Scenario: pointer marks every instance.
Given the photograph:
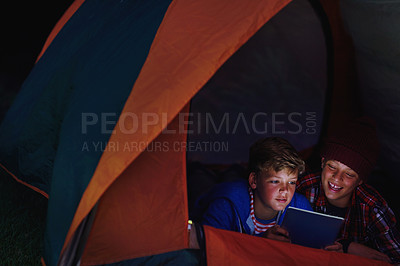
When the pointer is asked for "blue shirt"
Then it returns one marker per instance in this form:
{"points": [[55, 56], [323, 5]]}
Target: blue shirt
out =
{"points": [[227, 206]]}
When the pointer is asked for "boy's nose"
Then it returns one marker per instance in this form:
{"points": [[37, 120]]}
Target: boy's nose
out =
{"points": [[284, 187], [337, 175]]}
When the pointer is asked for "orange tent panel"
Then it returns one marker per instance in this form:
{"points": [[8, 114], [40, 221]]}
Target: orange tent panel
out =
{"points": [[232, 248], [145, 209], [166, 84]]}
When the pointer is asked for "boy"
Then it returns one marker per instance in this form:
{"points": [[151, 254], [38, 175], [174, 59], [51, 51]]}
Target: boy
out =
{"points": [[256, 206], [348, 157]]}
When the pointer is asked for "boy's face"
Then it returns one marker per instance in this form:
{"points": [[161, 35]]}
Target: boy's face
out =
{"points": [[273, 191], [338, 182]]}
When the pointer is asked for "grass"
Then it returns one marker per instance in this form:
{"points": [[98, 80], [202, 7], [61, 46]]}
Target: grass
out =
{"points": [[22, 223]]}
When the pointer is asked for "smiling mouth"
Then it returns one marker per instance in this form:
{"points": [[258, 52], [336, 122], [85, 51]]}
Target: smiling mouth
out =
{"points": [[334, 187]]}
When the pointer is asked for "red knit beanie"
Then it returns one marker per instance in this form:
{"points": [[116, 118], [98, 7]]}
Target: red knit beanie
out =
{"points": [[355, 145]]}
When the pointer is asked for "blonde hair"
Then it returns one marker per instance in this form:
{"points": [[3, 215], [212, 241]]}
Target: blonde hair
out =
{"points": [[274, 153]]}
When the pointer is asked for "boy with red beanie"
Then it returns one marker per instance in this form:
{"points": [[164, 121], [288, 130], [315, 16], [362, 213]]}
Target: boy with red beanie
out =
{"points": [[348, 157]]}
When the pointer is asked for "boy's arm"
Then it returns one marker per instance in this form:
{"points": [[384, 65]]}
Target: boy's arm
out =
{"points": [[367, 252], [384, 233], [220, 214]]}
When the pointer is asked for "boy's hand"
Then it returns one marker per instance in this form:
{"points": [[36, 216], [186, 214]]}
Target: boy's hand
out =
{"points": [[367, 252], [277, 233], [337, 247]]}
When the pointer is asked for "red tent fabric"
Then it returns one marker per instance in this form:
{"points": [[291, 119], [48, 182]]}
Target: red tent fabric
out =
{"points": [[232, 248]]}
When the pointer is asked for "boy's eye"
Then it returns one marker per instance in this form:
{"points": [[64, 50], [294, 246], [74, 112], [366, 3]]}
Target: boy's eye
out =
{"points": [[274, 181], [331, 167], [350, 175], [292, 182]]}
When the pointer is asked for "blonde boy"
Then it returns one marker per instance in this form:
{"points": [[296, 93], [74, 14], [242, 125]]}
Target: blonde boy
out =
{"points": [[256, 206]]}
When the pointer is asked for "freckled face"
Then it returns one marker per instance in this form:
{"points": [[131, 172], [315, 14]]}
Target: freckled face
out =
{"points": [[273, 191], [339, 182]]}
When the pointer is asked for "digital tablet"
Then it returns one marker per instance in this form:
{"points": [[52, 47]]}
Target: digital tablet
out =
{"points": [[311, 229]]}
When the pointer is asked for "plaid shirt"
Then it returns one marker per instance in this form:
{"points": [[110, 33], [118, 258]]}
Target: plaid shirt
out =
{"points": [[368, 220]]}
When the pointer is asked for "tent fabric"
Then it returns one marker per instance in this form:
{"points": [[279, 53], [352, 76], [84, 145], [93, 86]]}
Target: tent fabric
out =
{"points": [[88, 71], [377, 50], [123, 214], [232, 248], [187, 257], [286, 60], [176, 81], [343, 100], [80, 73], [24, 183], [60, 24], [125, 31], [115, 80]]}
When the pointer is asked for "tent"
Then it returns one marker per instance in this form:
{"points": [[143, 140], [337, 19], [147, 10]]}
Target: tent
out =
{"points": [[125, 93]]}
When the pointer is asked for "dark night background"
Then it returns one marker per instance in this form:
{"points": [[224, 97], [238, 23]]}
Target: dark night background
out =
{"points": [[24, 26]]}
